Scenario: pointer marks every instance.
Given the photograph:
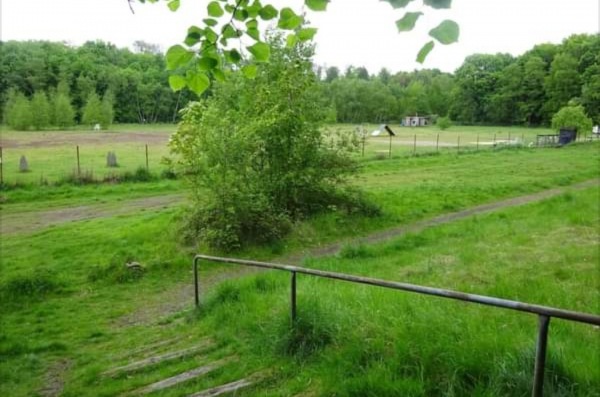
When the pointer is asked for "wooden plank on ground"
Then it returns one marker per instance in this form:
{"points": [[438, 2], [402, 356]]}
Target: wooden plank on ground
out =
{"points": [[159, 359], [180, 378], [227, 388]]}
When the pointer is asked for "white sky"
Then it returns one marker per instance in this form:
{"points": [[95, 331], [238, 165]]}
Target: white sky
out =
{"points": [[351, 32]]}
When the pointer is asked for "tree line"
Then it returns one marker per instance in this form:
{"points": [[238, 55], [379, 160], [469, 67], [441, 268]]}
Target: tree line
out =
{"points": [[486, 89], [134, 82], [132, 86]]}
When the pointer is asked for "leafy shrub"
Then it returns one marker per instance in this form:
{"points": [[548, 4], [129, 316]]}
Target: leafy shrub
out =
{"points": [[572, 117], [256, 157], [444, 123]]}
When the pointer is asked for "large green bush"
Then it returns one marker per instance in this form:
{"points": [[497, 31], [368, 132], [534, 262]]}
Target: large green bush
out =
{"points": [[256, 155], [572, 117]]}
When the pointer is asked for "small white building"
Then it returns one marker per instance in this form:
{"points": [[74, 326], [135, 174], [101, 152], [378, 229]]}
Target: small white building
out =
{"points": [[415, 121]]}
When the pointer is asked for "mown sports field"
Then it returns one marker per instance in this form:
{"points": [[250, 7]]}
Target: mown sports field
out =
{"points": [[73, 317]]}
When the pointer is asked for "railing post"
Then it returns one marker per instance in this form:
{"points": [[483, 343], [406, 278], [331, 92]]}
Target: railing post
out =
{"points": [[293, 298], [196, 291], [540, 356]]}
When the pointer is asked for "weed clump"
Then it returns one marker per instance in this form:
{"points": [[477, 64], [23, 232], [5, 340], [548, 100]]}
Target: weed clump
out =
{"points": [[312, 330], [29, 286], [117, 270], [355, 252]]}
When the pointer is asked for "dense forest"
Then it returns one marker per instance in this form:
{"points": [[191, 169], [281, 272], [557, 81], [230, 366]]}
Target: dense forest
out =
{"points": [[98, 81]]}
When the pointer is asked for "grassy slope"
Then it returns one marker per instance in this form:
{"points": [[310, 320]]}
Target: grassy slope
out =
{"points": [[82, 320]]}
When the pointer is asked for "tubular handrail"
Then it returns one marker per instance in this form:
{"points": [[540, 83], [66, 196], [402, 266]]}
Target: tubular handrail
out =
{"points": [[545, 313]]}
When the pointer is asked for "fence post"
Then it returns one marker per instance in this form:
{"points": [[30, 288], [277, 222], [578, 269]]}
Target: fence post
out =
{"points": [[415, 146], [364, 139], [1, 165], [390, 153], [293, 298], [540, 356], [147, 168], [78, 164], [494, 139], [437, 143]]}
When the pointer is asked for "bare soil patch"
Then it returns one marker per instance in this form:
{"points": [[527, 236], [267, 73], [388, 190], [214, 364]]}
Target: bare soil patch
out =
{"points": [[51, 139], [54, 381], [25, 222]]}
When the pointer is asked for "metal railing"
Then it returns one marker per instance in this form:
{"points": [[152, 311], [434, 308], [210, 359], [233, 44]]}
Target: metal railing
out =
{"points": [[544, 313]]}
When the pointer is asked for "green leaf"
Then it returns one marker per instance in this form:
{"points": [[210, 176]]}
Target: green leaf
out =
{"points": [[233, 56], [178, 56], [291, 40], [306, 34], [254, 33], [398, 3], [173, 5], [210, 22], [288, 20], [210, 34], [446, 32], [316, 5], [219, 75], [438, 3], [240, 15], [254, 9], [261, 51], [228, 32], [197, 81], [176, 82], [207, 63], [268, 12], [250, 71], [253, 23], [408, 21], [425, 50], [193, 36], [214, 9]]}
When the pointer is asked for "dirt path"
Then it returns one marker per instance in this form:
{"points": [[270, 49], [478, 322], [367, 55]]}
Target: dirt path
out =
{"points": [[388, 234], [181, 297], [31, 221]]}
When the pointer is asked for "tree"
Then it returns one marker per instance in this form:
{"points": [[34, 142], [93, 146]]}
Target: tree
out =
{"points": [[331, 74], [41, 112], [572, 117], [92, 112], [63, 112], [18, 111], [256, 156], [106, 110], [563, 83], [208, 50]]}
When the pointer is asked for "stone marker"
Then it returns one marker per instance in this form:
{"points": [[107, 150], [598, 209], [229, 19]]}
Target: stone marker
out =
{"points": [[23, 165], [111, 159]]}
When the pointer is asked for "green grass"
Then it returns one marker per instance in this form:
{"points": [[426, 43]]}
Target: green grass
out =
{"points": [[52, 155], [350, 340], [65, 295]]}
